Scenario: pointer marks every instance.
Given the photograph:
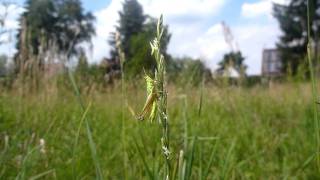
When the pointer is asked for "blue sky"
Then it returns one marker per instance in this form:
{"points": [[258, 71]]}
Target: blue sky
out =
{"points": [[93, 5], [195, 26]]}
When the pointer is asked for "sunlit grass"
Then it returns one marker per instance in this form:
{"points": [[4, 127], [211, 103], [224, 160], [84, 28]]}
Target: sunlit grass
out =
{"points": [[257, 133]]}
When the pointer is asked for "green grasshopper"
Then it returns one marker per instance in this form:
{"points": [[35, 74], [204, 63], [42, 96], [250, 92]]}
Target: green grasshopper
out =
{"points": [[150, 106]]}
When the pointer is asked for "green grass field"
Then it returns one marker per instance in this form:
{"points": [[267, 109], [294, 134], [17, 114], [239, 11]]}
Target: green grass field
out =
{"points": [[257, 133]]}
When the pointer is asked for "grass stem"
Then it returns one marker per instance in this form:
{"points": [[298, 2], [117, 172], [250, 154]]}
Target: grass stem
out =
{"points": [[314, 88]]}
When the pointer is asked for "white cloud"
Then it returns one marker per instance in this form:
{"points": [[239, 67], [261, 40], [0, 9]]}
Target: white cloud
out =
{"points": [[188, 24], [10, 14], [173, 8], [11, 25], [260, 8], [251, 10], [178, 14], [207, 44], [193, 32], [105, 24], [253, 39]]}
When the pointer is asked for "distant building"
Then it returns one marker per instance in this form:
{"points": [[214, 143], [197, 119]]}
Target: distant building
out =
{"points": [[271, 63]]}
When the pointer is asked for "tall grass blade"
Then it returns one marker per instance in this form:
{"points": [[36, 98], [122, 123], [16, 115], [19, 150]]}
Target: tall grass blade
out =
{"points": [[226, 164], [42, 175], [21, 174], [190, 159], [200, 162], [89, 134], [314, 88], [201, 97], [123, 101], [207, 171], [143, 159], [77, 138], [175, 169], [185, 122], [181, 171]]}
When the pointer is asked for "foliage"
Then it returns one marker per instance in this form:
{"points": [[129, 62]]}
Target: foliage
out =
{"points": [[142, 58], [187, 71], [293, 23], [39, 20], [131, 23], [61, 23], [136, 31], [89, 74], [141, 53], [74, 26]]}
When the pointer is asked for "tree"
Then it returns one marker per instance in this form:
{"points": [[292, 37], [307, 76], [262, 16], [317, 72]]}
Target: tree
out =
{"points": [[141, 58], [136, 30], [188, 71], [73, 26], [47, 23], [114, 51], [234, 60], [38, 21], [293, 23], [131, 23]]}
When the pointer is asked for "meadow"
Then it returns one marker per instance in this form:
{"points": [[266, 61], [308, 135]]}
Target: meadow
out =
{"points": [[52, 128], [215, 133]]}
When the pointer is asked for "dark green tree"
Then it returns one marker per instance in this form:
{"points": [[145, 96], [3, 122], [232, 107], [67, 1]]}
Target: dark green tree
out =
{"points": [[141, 58], [188, 71], [37, 22], [136, 30], [114, 55], [293, 23], [54, 22], [131, 23], [73, 27]]}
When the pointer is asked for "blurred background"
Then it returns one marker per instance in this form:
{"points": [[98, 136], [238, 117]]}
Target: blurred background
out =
{"points": [[242, 98], [262, 38]]}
